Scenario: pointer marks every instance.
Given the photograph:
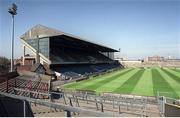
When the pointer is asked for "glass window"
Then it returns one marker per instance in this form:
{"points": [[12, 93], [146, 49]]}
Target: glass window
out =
{"points": [[43, 45]]}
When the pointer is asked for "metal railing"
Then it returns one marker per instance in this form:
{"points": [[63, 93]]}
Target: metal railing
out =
{"points": [[163, 98], [68, 109]]}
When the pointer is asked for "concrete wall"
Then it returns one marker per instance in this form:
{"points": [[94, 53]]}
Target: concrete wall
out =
{"points": [[172, 110], [131, 63], [10, 107]]}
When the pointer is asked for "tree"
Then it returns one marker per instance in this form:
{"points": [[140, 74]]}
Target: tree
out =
{"points": [[4, 64]]}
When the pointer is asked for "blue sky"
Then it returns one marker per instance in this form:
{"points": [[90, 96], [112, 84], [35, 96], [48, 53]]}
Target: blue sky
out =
{"points": [[140, 28]]}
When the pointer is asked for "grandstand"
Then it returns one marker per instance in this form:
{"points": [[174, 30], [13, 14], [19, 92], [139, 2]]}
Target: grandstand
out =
{"points": [[67, 54], [125, 92]]}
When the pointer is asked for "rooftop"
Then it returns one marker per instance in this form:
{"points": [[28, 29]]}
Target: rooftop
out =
{"points": [[40, 31]]}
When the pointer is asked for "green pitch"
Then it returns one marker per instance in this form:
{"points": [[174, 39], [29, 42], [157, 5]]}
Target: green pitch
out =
{"points": [[134, 81]]}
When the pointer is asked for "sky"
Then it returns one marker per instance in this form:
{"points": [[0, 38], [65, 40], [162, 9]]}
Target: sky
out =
{"points": [[141, 28]]}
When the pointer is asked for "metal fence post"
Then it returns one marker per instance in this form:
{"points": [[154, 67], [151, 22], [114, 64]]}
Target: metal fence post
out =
{"points": [[67, 113], [77, 102], [64, 99], [24, 108], [113, 103], [15, 82], [86, 98], [119, 107], [164, 101], [96, 104], [102, 109], [7, 85]]}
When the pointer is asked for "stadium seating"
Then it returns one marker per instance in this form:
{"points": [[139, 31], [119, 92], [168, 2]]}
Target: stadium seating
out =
{"points": [[75, 56], [73, 62], [78, 70], [72, 75]]}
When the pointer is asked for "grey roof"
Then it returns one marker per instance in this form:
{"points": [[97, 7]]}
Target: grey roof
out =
{"points": [[35, 67], [40, 31], [43, 31]]}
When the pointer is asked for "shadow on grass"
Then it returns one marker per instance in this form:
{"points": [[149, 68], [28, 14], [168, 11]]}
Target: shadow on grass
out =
{"points": [[160, 84], [129, 84], [75, 84], [105, 81], [174, 77]]}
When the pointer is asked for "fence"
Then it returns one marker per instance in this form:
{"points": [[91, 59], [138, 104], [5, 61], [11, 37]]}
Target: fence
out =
{"points": [[116, 103], [66, 108], [163, 100]]}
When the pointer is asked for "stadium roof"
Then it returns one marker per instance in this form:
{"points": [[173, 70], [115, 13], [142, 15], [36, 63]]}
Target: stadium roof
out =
{"points": [[43, 31]]}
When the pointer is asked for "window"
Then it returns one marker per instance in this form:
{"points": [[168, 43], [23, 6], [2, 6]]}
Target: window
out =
{"points": [[43, 45]]}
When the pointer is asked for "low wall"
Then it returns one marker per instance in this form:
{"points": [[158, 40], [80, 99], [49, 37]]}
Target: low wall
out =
{"points": [[136, 63], [131, 63], [172, 110], [168, 64], [10, 107]]}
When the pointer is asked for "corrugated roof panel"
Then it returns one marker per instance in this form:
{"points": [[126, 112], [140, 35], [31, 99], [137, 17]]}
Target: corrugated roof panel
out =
{"points": [[43, 31]]}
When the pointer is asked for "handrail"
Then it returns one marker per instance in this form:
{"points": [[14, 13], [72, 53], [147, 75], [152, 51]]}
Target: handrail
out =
{"points": [[59, 106]]}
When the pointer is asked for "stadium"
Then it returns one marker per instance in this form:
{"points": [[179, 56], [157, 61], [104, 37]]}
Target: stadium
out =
{"points": [[73, 57], [70, 53], [82, 78]]}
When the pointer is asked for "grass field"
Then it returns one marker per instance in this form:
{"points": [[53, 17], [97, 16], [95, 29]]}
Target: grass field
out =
{"points": [[134, 81]]}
